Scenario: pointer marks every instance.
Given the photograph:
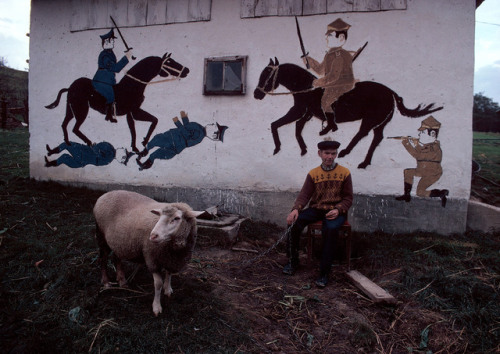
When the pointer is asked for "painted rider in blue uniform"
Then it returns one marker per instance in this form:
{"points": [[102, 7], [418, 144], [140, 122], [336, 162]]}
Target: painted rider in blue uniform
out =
{"points": [[104, 79]]}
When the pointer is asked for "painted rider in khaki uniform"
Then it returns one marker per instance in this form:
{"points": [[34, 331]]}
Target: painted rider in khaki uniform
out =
{"points": [[336, 66], [427, 151]]}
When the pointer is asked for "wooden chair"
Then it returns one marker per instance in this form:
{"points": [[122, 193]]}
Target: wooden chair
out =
{"points": [[314, 230]]}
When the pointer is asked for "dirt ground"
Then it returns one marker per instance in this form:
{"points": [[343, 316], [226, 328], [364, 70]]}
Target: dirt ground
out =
{"points": [[290, 314], [234, 301]]}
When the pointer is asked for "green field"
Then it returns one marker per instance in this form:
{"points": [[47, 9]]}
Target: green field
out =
{"points": [[486, 182]]}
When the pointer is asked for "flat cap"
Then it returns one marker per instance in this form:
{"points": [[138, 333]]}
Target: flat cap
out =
{"points": [[328, 144]]}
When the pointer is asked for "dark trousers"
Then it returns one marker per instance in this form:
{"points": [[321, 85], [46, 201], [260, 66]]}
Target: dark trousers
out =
{"points": [[329, 232]]}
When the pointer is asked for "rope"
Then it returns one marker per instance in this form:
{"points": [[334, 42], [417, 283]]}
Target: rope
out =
{"points": [[265, 253]]}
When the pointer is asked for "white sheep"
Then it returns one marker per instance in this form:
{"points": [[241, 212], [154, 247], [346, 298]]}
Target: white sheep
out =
{"points": [[140, 229]]}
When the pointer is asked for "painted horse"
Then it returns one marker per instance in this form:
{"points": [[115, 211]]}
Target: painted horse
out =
{"points": [[129, 95], [372, 103]]}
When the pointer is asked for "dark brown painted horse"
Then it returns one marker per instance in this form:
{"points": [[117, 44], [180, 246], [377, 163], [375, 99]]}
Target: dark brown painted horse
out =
{"points": [[129, 95], [372, 103]]}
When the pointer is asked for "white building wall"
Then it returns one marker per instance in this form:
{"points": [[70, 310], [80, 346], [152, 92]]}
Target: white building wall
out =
{"points": [[423, 53]]}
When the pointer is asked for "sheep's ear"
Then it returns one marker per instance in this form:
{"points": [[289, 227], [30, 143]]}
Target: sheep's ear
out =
{"points": [[156, 211]]}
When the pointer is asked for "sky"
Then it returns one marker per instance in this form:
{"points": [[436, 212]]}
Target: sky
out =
{"points": [[14, 44]]}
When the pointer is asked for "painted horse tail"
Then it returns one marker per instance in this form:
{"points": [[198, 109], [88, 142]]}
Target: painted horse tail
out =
{"points": [[416, 112], [56, 102]]}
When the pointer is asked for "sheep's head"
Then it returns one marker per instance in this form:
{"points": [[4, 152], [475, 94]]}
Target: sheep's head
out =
{"points": [[175, 224], [167, 226]]}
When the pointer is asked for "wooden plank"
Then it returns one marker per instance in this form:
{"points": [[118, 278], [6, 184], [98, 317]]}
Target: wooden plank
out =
{"points": [[393, 4], [372, 290], [247, 8], [118, 10], [98, 14], [79, 15], [289, 7], [156, 12], [266, 8], [136, 12], [177, 11], [314, 7], [339, 6], [199, 10], [366, 5]]}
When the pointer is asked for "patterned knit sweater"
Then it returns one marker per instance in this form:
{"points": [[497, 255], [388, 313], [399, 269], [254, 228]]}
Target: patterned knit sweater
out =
{"points": [[326, 190]]}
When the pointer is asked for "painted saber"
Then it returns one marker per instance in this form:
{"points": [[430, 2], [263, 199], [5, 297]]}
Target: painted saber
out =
{"points": [[121, 36], [304, 54]]}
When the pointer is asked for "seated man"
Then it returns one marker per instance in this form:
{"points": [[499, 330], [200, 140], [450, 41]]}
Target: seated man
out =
{"points": [[328, 191]]}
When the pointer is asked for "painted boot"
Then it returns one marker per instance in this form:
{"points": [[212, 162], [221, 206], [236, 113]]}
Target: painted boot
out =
{"points": [[52, 151], [50, 163], [144, 165], [441, 193], [406, 197], [110, 112]]}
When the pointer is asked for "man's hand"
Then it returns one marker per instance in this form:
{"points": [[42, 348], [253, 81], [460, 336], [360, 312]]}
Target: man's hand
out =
{"points": [[332, 214], [128, 54], [292, 217]]}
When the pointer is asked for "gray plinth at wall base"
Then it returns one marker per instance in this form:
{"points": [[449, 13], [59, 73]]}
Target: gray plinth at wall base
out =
{"points": [[386, 214], [369, 213]]}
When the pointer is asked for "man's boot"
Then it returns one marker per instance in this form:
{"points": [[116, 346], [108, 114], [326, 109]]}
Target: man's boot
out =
{"points": [[110, 112], [441, 193], [406, 197], [293, 257], [291, 267]]}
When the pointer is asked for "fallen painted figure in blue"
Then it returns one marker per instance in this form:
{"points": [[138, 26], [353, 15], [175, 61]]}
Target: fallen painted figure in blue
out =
{"points": [[166, 145], [80, 155]]}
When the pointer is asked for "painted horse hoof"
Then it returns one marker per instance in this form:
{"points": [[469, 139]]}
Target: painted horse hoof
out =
{"points": [[363, 165], [276, 151], [343, 153], [303, 152]]}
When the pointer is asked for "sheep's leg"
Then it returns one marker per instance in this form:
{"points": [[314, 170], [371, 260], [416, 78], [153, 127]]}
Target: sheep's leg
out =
{"points": [[158, 281], [103, 255], [120, 274], [167, 287], [104, 268]]}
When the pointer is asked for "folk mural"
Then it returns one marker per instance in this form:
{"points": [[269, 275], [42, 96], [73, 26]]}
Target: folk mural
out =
{"points": [[336, 97], [427, 152], [103, 94]]}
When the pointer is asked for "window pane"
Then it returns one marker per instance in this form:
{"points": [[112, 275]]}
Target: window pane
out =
{"points": [[232, 77], [214, 76]]}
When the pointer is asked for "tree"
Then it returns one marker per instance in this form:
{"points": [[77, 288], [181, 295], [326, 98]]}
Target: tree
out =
{"points": [[485, 114]]}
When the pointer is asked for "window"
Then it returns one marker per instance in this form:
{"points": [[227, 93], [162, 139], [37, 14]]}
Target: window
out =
{"points": [[225, 76]]}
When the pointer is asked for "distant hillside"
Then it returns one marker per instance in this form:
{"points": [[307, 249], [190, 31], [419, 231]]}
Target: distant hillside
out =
{"points": [[14, 90]]}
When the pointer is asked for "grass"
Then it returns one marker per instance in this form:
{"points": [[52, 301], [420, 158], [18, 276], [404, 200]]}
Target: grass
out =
{"points": [[486, 152], [51, 299]]}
